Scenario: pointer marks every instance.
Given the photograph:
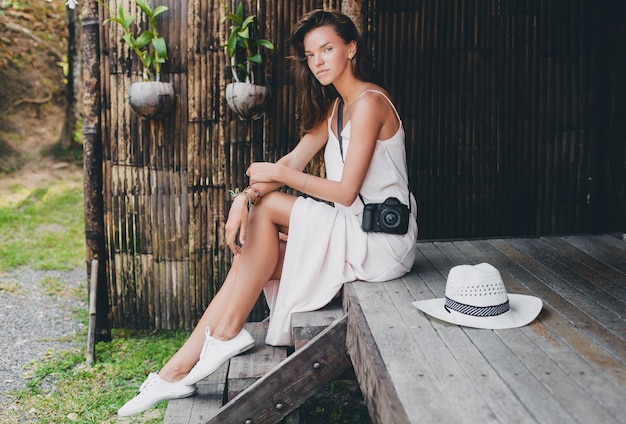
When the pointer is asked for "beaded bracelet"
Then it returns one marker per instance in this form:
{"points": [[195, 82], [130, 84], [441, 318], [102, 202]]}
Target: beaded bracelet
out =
{"points": [[257, 194], [236, 193]]}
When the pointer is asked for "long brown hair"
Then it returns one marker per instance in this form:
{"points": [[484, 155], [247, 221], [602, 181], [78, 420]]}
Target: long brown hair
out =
{"points": [[315, 98]]}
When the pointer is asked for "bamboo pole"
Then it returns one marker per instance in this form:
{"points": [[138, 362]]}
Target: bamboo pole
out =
{"points": [[92, 157]]}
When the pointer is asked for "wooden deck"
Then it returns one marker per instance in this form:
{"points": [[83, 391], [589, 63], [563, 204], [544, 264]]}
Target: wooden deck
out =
{"points": [[569, 365]]}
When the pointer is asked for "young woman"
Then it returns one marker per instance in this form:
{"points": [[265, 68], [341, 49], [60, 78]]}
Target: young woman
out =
{"points": [[299, 250]]}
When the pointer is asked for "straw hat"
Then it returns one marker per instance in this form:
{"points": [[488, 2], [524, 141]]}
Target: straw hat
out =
{"points": [[476, 297]]}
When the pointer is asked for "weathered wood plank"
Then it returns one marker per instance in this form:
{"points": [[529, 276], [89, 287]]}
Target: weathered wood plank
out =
{"points": [[611, 256], [376, 384], [562, 277], [299, 377], [306, 325], [560, 316], [587, 367], [539, 402], [592, 270], [542, 405], [616, 246], [469, 382], [380, 382], [203, 405], [566, 384], [247, 368], [596, 382], [565, 390]]}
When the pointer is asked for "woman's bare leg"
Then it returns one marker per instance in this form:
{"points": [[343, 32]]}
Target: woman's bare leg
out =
{"points": [[260, 260]]}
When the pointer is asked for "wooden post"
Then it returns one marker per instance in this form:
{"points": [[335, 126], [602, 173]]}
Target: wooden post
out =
{"points": [[355, 9], [93, 298], [92, 164]]}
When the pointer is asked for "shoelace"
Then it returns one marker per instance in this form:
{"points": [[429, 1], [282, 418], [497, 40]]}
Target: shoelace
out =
{"points": [[149, 382], [209, 341]]}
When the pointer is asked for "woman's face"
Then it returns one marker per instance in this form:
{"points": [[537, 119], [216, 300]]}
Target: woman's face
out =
{"points": [[327, 54]]}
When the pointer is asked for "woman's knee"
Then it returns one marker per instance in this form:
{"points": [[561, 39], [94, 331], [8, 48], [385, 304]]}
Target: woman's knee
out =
{"points": [[275, 206]]}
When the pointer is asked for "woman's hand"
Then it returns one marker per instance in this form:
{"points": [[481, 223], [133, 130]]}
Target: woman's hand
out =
{"points": [[237, 223], [263, 172]]}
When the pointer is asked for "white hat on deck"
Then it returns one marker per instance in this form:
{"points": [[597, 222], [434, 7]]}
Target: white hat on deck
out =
{"points": [[475, 296]]}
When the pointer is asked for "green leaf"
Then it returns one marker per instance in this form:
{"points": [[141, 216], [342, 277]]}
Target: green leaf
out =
{"points": [[264, 43], [114, 19], [161, 48], [240, 12], [130, 40], [120, 12], [144, 39], [244, 33], [234, 18], [232, 44], [248, 21], [256, 58], [128, 21], [143, 5], [159, 10], [147, 59]]}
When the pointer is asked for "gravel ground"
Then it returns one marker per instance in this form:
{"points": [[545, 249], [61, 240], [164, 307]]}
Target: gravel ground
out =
{"points": [[34, 322]]}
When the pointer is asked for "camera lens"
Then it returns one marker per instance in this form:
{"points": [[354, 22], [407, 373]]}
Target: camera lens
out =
{"points": [[390, 218]]}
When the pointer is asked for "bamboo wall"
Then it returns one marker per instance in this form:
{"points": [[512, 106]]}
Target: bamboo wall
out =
{"points": [[502, 103]]}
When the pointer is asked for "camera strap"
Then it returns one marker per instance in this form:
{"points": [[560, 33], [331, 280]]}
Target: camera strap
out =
{"points": [[339, 130], [339, 138]]}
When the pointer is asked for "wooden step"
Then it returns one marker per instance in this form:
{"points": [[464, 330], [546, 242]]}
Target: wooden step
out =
{"points": [[203, 405], [228, 381], [276, 395], [248, 367], [244, 370], [306, 325]]}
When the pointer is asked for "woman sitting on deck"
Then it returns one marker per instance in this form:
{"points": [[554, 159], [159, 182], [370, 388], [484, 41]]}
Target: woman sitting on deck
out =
{"points": [[327, 246]]}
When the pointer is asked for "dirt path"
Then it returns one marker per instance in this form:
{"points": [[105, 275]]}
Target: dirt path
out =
{"points": [[36, 322]]}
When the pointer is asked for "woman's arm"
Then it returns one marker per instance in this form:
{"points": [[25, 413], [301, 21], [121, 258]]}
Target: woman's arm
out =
{"points": [[297, 159], [366, 124]]}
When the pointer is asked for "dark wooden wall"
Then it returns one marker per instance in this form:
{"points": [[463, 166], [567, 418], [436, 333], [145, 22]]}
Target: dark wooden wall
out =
{"points": [[503, 102], [512, 109]]}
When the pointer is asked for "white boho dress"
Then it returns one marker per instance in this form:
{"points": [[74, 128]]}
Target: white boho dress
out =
{"points": [[326, 246]]}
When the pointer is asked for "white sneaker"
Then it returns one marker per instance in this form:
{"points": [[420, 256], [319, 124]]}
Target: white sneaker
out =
{"points": [[215, 352], [153, 391]]}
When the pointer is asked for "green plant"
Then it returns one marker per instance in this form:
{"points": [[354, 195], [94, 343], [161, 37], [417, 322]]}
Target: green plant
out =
{"points": [[242, 40], [148, 45]]}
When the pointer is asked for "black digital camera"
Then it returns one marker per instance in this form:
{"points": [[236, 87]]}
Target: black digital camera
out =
{"points": [[391, 217]]}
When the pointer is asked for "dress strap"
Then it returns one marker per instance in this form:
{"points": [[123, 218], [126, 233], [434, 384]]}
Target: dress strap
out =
{"points": [[332, 115], [382, 94]]}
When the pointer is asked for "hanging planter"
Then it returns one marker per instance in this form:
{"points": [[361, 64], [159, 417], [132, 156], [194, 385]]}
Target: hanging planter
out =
{"points": [[247, 100], [148, 98], [244, 97], [151, 99]]}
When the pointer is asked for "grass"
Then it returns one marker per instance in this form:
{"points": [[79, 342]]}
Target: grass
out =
{"points": [[43, 228], [64, 390]]}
